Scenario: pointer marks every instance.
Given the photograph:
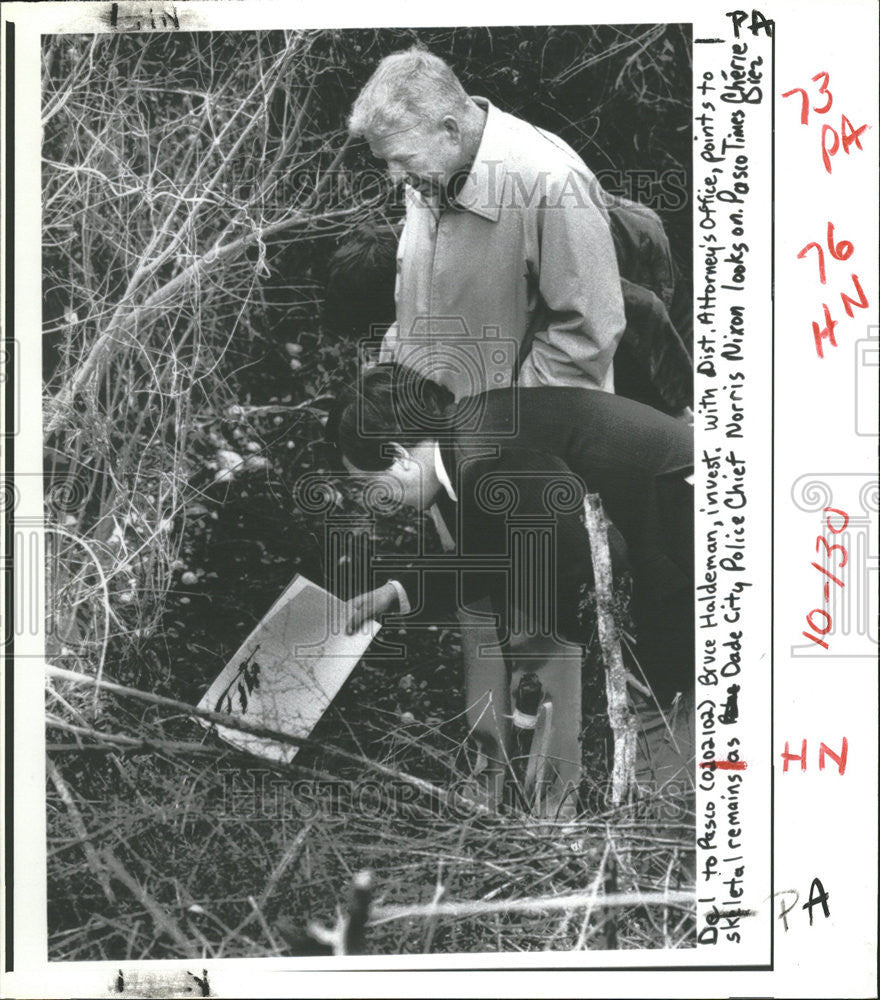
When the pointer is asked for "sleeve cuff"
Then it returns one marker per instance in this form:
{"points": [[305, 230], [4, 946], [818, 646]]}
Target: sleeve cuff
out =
{"points": [[403, 600]]}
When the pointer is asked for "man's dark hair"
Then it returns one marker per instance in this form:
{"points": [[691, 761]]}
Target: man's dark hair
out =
{"points": [[390, 403], [360, 286]]}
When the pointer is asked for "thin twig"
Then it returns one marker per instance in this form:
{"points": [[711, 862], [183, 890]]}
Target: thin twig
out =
{"points": [[162, 919], [541, 904], [290, 857], [594, 889], [82, 834]]}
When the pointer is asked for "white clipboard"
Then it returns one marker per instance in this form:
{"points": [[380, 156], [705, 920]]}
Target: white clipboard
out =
{"points": [[288, 670]]}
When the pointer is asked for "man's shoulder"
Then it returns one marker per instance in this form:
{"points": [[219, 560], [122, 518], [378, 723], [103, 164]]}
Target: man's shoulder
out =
{"points": [[542, 169], [538, 150]]}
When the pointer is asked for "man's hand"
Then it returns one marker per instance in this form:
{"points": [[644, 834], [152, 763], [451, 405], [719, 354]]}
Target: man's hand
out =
{"points": [[369, 605]]}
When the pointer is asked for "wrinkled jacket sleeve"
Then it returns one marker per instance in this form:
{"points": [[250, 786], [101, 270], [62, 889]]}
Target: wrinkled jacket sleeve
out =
{"points": [[579, 285]]}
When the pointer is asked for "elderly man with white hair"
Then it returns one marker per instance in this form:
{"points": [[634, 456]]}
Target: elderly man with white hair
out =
{"points": [[506, 267]]}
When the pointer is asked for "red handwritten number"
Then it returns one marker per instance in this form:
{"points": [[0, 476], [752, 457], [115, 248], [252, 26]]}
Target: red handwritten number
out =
{"points": [[839, 251], [821, 254], [843, 514], [830, 576], [805, 100], [819, 642], [814, 626], [825, 628], [830, 548], [823, 90], [805, 103], [848, 135]]}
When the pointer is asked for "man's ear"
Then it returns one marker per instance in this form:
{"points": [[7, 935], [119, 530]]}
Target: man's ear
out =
{"points": [[452, 128], [400, 453]]}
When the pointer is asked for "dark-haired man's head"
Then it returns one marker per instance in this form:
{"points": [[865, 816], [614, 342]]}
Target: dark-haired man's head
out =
{"points": [[386, 430], [359, 297]]}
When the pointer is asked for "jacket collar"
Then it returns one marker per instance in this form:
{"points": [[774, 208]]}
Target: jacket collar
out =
{"points": [[482, 190], [446, 505], [443, 466]]}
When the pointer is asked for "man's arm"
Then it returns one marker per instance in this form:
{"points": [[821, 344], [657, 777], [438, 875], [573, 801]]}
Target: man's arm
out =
{"points": [[372, 604], [579, 285], [400, 593]]}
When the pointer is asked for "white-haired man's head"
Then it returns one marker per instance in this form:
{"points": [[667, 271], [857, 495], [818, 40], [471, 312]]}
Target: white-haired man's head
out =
{"points": [[416, 116]]}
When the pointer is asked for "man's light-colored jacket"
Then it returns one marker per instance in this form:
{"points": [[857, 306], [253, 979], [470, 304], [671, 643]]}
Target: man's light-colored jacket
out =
{"points": [[517, 279]]}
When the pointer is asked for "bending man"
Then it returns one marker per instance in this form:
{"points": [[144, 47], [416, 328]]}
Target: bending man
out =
{"points": [[492, 480]]}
